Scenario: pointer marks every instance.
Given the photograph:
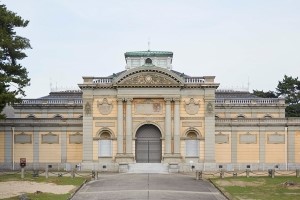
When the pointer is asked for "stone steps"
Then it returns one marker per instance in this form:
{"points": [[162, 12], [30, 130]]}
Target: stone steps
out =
{"points": [[148, 168]]}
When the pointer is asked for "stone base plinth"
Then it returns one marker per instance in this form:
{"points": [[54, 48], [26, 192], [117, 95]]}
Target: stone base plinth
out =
{"points": [[172, 158], [124, 158]]}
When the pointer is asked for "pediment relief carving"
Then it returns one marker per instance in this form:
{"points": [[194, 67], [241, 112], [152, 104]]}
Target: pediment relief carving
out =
{"points": [[148, 78], [192, 106]]}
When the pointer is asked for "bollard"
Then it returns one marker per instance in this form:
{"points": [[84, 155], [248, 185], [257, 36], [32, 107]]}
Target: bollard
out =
{"points": [[22, 172], [247, 173], [273, 173], [197, 175], [46, 172], [93, 175], [200, 174], [73, 173], [96, 175], [221, 174], [297, 173], [234, 174]]}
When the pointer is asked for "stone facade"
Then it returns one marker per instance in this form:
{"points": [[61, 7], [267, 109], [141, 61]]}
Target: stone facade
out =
{"points": [[150, 113]]}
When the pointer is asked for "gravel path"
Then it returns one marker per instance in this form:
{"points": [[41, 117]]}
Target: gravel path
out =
{"points": [[16, 188]]}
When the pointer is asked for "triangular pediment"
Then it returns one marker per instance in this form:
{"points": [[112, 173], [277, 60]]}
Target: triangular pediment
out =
{"points": [[148, 77]]}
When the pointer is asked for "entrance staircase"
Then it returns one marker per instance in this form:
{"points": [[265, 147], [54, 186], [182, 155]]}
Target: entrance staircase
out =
{"points": [[159, 168]]}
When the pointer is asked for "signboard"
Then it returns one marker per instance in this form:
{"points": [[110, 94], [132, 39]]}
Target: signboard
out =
{"points": [[22, 162]]}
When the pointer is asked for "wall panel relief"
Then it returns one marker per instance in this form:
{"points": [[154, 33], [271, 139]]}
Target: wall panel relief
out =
{"points": [[50, 138], [148, 107], [192, 124], [276, 138], [248, 138], [192, 106], [104, 107], [75, 138], [23, 138], [222, 138]]}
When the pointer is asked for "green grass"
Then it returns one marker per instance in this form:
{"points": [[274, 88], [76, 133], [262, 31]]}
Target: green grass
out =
{"points": [[259, 188], [77, 181], [43, 196]]}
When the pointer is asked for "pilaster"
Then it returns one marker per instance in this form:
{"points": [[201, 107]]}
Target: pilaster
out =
{"points": [[87, 130], [120, 126], [176, 126], [128, 126], [168, 126]]}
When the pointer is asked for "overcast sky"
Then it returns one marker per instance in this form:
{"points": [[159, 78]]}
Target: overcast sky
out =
{"points": [[234, 40]]}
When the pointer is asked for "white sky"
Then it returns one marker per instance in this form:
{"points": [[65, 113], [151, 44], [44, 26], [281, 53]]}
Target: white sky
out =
{"points": [[233, 40]]}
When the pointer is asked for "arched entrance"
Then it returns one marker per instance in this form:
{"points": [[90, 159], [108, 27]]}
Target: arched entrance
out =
{"points": [[148, 144]]}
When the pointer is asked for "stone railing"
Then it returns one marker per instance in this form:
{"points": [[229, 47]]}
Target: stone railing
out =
{"points": [[102, 80], [194, 80], [245, 121], [264, 101], [38, 121], [50, 101]]}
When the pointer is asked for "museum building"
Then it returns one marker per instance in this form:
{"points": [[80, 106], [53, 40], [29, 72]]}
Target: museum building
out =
{"points": [[150, 113]]}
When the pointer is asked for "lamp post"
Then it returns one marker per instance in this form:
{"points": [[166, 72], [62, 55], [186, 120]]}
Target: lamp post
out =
{"points": [[13, 147]]}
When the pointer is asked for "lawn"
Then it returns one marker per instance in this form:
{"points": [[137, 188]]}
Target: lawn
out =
{"points": [[63, 181], [242, 188]]}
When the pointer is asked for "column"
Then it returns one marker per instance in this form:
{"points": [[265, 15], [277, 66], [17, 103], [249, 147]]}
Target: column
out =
{"points": [[63, 142], [262, 148], [120, 126], [176, 127], [168, 127], [8, 145], [128, 126], [234, 141], [36, 143]]}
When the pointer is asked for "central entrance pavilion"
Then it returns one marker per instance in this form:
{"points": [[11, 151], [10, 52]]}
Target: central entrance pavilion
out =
{"points": [[148, 144]]}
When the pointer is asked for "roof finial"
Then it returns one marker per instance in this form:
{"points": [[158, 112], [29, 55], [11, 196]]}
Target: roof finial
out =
{"points": [[148, 43]]}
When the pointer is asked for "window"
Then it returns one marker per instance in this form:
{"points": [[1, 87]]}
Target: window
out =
{"points": [[148, 61], [58, 116], [105, 144], [241, 116], [192, 145]]}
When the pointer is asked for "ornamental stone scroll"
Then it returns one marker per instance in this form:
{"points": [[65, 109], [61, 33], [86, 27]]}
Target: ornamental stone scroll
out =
{"points": [[192, 106]]}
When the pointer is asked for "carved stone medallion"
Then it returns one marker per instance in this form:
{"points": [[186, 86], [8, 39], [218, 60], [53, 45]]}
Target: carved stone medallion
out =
{"points": [[192, 107], [104, 106]]}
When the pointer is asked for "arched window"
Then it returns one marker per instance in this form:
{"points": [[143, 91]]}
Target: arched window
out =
{"points": [[267, 116], [241, 116], [31, 116], [148, 61], [57, 116], [105, 144], [192, 144]]}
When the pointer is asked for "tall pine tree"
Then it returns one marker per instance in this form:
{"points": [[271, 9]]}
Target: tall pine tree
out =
{"points": [[13, 76]]}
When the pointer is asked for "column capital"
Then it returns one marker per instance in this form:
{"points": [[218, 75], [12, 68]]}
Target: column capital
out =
{"points": [[168, 100], [176, 100], [120, 100], [128, 100]]}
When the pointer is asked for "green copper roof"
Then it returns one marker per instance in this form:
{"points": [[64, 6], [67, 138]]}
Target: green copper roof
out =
{"points": [[149, 54]]}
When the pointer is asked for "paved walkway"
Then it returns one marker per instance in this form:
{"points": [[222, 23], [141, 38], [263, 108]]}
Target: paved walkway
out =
{"points": [[148, 186]]}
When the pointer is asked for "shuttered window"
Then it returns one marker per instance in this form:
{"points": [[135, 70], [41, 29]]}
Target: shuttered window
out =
{"points": [[105, 148], [192, 148]]}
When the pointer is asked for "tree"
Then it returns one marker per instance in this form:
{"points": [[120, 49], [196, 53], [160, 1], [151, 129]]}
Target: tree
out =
{"points": [[13, 76], [262, 94], [289, 88]]}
